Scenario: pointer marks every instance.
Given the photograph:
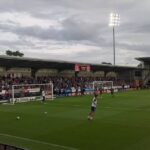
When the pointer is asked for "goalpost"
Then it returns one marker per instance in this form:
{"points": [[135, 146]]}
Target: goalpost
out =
{"points": [[31, 92], [102, 85]]}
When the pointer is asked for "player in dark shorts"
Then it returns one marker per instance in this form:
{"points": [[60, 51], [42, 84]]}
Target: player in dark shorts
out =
{"points": [[43, 96], [101, 92], [112, 92], [82, 91]]}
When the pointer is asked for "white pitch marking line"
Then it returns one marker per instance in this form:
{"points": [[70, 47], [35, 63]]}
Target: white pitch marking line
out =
{"points": [[36, 141]]}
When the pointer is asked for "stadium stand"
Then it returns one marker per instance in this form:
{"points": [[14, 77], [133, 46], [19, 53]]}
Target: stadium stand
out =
{"points": [[145, 64], [14, 70]]}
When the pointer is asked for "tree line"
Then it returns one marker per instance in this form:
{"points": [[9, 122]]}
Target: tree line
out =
{"points": [[14, 53]]}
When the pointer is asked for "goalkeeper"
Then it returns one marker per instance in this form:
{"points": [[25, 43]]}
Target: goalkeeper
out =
{"points": [[112, 92]]}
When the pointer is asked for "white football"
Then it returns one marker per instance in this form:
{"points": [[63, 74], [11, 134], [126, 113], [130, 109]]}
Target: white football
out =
{"points": [[18, 117]]}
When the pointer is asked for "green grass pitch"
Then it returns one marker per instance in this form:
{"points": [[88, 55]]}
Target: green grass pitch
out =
{"points": [[121, 123]]}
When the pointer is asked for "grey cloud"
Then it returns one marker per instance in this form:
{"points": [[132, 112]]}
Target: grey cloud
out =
{"points": [[135, 47], [143, 29], [72, 30], [16, 43], [135, 28]]}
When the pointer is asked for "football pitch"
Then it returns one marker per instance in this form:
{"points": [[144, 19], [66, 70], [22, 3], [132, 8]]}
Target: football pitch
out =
{"points": [[122, 122]]}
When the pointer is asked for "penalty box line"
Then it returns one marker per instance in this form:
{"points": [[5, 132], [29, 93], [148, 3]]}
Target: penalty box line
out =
{"points": [[39, 142]]}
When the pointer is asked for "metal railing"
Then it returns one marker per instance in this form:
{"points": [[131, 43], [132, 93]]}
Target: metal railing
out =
{"points": [[9, 147], [146, 78]]}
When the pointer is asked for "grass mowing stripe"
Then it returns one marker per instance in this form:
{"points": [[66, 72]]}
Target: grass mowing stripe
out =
{"points": [[39, 142]]}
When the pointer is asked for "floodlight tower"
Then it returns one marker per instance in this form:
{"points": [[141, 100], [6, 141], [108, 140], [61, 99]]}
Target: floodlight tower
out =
{"points": [[113, 22]]}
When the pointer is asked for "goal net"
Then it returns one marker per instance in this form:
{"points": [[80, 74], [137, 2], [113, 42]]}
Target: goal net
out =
{"points": [[102, 85], [31, 92]]}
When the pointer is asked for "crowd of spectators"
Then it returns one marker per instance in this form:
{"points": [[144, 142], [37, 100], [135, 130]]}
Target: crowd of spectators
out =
{"points": [[60, 83]]}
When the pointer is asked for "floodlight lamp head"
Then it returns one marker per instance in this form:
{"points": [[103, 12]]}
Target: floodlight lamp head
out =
{"points": [[114, 20]]}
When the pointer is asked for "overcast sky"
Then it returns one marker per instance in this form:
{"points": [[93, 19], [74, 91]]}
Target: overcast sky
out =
{"points": [[75, 30]]}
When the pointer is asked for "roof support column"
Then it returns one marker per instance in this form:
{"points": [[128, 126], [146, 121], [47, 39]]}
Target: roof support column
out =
{"points": [[33, 72]]}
